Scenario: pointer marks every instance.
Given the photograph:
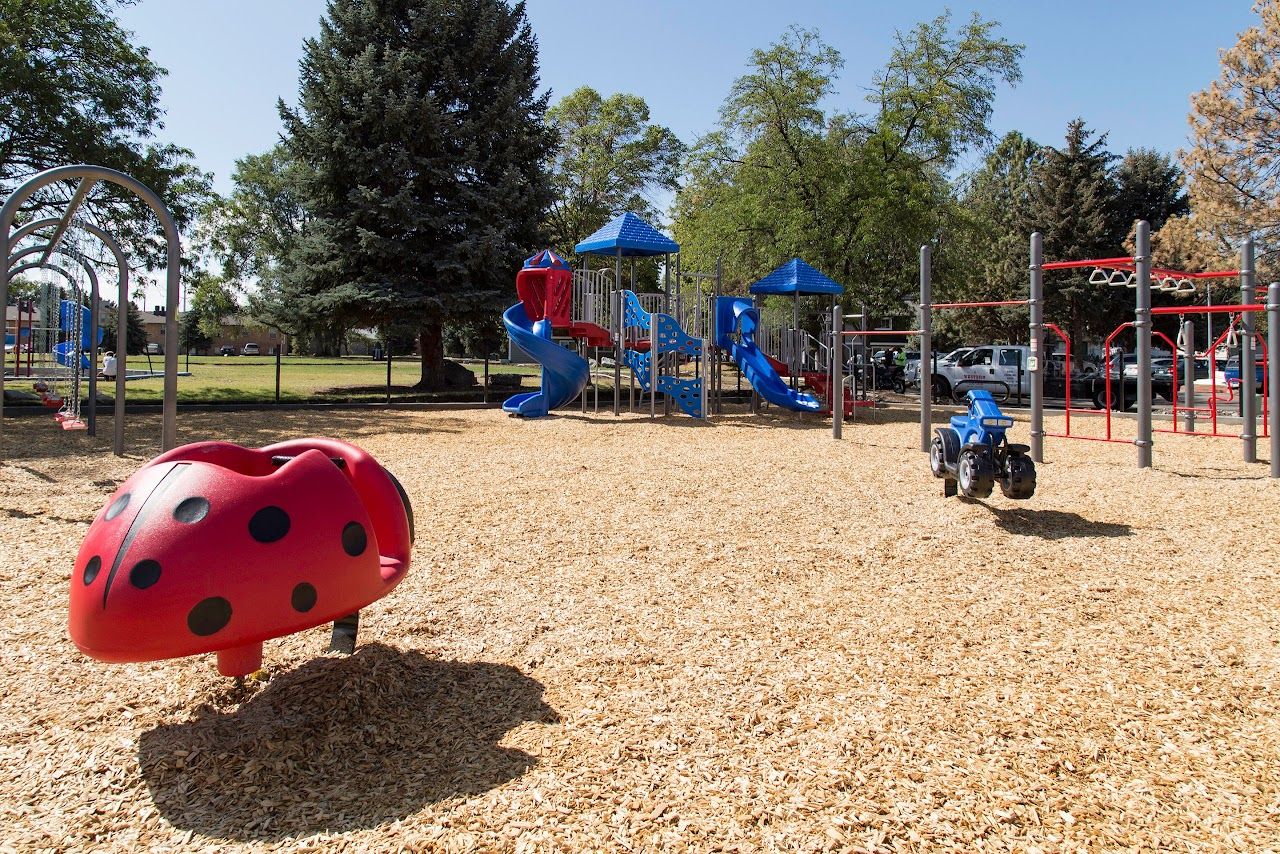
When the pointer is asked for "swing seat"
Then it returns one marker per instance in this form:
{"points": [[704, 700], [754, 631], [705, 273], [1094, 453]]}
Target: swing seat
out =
{"points": [[74, 424]]}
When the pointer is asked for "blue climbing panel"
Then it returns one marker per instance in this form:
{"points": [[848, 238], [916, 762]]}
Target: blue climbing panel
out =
{"points": [[641, 366], [688, 393], [670, 339], [633, 316], [673, 339]]}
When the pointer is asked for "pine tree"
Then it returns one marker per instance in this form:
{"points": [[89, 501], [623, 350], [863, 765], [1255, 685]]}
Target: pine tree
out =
{"points": [[425, 149], [1072, 204], [135, 332], [986, 254], [1148, 186]]}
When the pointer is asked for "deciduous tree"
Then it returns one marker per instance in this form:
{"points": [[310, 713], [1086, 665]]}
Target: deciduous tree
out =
{"points": [[76, 88], [609, 159], [854, 195], [1233, 165]]}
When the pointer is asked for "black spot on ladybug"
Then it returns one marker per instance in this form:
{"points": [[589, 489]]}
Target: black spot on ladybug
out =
{"points": [[269, 524], [117, 507], [209, 616], [354, 539], [144, 574], [191, 510], [303, 598], [91, 569]]}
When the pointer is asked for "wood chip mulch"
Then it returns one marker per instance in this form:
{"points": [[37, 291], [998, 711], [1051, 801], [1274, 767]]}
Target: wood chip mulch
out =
{"points": [[626, 635]]}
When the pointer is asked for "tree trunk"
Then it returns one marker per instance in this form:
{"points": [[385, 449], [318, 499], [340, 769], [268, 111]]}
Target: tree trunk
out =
{"points": [[431, 347]]}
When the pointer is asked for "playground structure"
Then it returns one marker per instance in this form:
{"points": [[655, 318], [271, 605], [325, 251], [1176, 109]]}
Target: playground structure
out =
{"points": [[1137, 273], [589, 307], [86, 178], [675, 344], [173, 563]]}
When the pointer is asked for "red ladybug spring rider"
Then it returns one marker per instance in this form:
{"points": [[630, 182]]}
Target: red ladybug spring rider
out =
{"points": [[213, 547]]}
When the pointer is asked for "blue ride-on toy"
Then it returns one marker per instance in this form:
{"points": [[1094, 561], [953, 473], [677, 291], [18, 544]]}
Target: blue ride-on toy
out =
{"points": [[972, 453]]}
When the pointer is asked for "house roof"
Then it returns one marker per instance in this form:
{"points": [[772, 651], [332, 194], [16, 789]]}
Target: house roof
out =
{"points": [[628, 235], [796, 277]]}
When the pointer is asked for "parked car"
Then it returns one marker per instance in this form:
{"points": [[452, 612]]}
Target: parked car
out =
{"points": [[1162, 375], [227, 350], [1232, 371], [251, 349], [1056, 365]]}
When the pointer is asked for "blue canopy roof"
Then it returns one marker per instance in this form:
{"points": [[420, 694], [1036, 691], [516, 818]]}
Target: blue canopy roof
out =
{"points": [[629, 233], [796, 277], [547, 258]]}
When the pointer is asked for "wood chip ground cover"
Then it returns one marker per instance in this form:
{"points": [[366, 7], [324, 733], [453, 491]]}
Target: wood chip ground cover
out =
{"points": [[628, 635]]}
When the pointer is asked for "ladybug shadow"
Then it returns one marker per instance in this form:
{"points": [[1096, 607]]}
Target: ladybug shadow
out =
{"points": [[341, 744]]}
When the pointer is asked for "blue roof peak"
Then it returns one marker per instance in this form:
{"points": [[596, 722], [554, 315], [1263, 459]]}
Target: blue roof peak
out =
{"points": [[630, 234], [796, 277]]}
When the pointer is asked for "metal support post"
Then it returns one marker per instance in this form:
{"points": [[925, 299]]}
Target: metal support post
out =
{"points": [[837, 375], [704, 359], [1142, 325], [926, 347], [655, 369], [1248, 371], [1035, 362], [1189, 374], [1273, 373], [795, 340], [617, 335]]}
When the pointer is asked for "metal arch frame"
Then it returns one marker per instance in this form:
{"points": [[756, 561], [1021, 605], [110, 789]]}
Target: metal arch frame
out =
{"points": [[95, 311], [122, 266], [89, 176], [36, 265]]}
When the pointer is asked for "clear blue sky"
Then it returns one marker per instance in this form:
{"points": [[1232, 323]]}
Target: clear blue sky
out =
{"points": [[1125, 67]]}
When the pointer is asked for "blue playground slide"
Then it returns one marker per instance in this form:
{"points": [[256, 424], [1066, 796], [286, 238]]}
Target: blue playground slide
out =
{"points": [[564, 372], [63, 351], [753, 363]]}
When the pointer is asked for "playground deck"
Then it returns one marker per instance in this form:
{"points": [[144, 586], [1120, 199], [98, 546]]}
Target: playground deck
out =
{"points": [[620, 634]]}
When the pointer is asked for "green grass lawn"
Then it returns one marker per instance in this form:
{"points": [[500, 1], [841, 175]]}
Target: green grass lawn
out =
{"points": [[251, 379]]}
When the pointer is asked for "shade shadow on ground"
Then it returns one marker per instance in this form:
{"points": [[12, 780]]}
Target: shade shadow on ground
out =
{"points": [[341, 744], [1054, 524]]}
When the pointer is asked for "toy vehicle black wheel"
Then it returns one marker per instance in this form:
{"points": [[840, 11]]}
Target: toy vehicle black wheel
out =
{"points": [[937, 461], [976, 475], [943, 451], [1019, 480], [899, 386]]}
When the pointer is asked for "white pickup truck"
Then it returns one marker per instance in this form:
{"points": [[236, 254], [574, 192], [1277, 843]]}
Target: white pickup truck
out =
{"points": [[998, 368], [1002, 369]]}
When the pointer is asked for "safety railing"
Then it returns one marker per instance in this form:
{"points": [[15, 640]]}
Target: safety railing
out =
{"points": [[593, 297]]}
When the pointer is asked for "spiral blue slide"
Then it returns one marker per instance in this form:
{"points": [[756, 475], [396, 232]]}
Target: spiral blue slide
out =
{"points": [[564, 372], [742, 314]]}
